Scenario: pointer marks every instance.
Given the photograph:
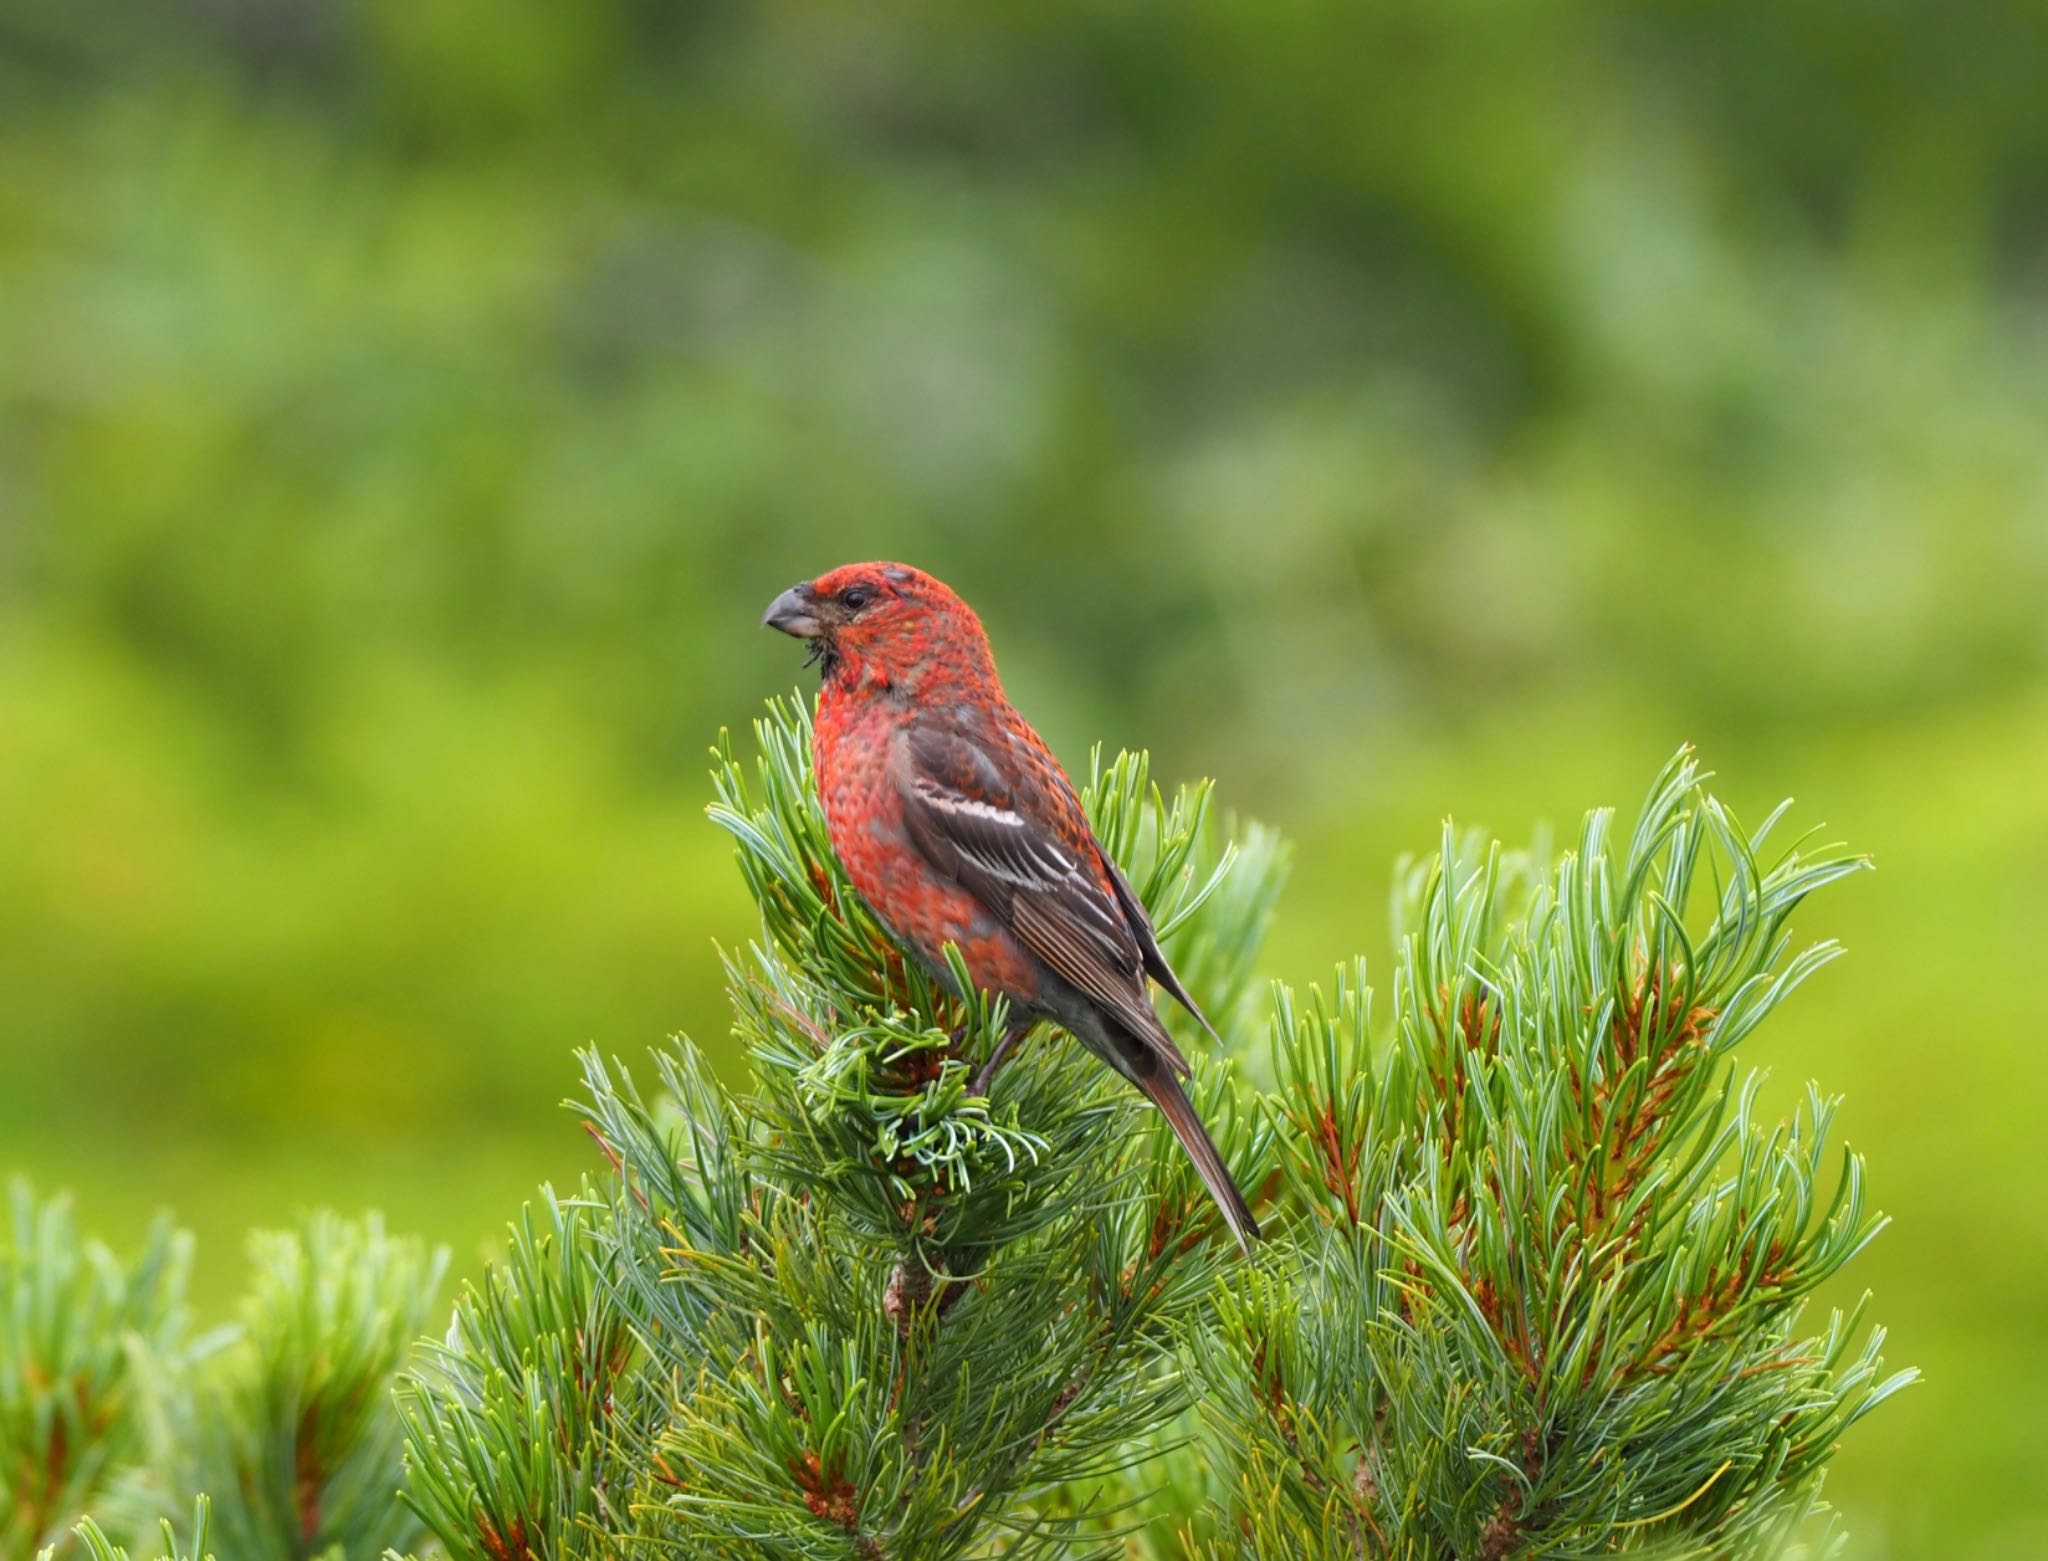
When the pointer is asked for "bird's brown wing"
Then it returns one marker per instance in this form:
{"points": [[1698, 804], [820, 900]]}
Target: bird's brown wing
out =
{"points": [[972, 826], [1148, 943]]}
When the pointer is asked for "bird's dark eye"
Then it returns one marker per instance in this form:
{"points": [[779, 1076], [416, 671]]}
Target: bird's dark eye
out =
{"points": [[855, 597]]}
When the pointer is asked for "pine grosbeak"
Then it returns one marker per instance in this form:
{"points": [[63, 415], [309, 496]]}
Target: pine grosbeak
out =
{"points": [[957, 825]]}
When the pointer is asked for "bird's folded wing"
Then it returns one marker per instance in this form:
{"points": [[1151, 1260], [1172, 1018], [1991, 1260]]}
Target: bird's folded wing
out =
{"points": [[1036, 885], [1148, 943]]}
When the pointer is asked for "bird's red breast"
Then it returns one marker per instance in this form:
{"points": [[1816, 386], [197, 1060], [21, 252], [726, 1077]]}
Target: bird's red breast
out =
{"points": [[856, 728], [918, 655]]}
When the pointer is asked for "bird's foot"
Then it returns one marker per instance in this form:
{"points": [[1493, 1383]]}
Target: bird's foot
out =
{"points": [[1015, 1033]]}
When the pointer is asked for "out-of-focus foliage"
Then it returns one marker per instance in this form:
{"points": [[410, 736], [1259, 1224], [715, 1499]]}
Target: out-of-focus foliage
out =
{"points": [[283, 1424], [72, 1317], [288, 1423], [1390, 410]]}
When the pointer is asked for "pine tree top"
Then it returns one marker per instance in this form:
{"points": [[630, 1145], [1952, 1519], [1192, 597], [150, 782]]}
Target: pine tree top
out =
{"points": [[1538, 1281]]}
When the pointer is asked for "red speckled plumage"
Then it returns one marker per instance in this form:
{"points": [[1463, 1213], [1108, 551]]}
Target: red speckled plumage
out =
{"points": [[864, 811], [957, 825]]}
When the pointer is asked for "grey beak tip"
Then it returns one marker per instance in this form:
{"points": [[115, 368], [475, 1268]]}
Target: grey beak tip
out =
{"points": [[791, 613]]}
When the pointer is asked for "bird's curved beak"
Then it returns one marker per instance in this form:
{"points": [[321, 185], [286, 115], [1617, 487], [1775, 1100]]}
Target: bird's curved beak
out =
{"points": [[791, 613]]}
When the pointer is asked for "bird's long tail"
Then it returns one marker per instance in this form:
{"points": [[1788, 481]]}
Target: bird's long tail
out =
{"points": [[1173, 1103]]}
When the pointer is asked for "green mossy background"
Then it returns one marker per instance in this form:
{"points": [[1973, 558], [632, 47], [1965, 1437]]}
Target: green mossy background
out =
{"points": [[1391, 412]]}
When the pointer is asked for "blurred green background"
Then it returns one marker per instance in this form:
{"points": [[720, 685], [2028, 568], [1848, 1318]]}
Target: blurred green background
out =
{"points": [[407, 407]]}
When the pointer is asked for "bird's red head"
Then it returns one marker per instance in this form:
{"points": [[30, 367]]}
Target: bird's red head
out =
{"points": [[884, 626]]}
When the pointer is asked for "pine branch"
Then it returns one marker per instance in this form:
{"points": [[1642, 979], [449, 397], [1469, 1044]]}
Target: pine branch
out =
{"points": [[69, 1408], [899, 1317], [1545, 1287], [287, 1422], [512, 1422]]}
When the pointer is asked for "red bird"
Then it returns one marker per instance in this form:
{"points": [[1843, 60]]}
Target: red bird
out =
{"points": [[957, 825]]}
